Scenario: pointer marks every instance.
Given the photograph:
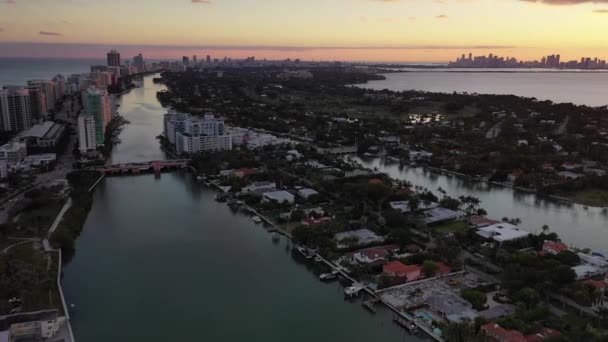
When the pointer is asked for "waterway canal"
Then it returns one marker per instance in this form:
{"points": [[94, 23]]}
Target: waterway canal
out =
{"points": [[576, 225], [160, 260]]}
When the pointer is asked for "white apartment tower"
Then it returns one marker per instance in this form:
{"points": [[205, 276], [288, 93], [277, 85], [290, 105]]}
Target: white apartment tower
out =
{"points": [[15, 109], [87, 138]]}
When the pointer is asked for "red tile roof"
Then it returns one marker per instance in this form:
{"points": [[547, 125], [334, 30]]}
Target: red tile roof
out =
{"points": [[544, 334], [554, 247], [398, 268], [498, 333], [443, 268], [598, 284], [375, 181], [480, 221]]}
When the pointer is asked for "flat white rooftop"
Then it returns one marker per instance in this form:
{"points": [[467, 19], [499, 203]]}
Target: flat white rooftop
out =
{"points": [[501, 232]]}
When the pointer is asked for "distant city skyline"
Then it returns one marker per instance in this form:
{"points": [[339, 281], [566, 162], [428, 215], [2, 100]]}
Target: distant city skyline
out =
{"points": [[350, 30]]}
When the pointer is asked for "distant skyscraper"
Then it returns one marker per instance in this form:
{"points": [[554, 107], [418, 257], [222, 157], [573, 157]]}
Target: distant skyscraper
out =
{"points": [[185, 60], [138, 63], [208, 59], [15, 109], [114, 58], [194, 59]]}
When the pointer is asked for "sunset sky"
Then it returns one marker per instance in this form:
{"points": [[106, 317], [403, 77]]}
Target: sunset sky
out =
{"points": [[372, 30]]}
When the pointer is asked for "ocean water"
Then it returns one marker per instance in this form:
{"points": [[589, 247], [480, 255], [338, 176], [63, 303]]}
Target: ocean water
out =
{"points": [[17, 71]]}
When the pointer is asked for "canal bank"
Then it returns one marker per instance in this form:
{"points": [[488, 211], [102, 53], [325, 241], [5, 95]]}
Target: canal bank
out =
{"points": [[159, 259], [576, 225]]}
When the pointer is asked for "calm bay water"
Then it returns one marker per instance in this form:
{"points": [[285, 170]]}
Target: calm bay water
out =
{"points": [[583, 88], [160, 260], [577, 226]]}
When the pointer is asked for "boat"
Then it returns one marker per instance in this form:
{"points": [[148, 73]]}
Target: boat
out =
{"points": [[318, 258], [256, 219], [409, 326], [305, 252], [329, 276], [353, 291]]}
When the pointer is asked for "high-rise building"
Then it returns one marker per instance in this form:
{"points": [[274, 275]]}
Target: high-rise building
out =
{"points": [[87, 137], [49, 91], [113, 58], [15, 109], [191, 134], [208, 59], [38, 101], [185, 60], [138, 63], [194, 60], [97, 102]]}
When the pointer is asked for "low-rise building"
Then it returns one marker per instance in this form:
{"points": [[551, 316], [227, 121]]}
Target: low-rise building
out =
{"points": [[35, 330], [37, 161], [280, 196], [554, 247], [400, 270], [502, 232], [46, 134], [360, 237], [305, 193], [436, 215], [499, 334], [13, 153], [260, 187]]}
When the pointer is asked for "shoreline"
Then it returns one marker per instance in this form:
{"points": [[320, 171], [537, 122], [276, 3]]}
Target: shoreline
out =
{"points": [[334, 267]]}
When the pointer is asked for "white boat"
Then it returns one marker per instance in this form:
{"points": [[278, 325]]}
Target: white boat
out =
{"points": [[256, 219], [318, 258], [352, 291], [329, 276], [305, 252]]}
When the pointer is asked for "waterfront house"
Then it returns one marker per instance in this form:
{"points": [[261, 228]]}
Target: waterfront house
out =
{"points": [[400, 270], [586, 271], [544, 334], [496, 333], [477, 221], [502, 232], [570, 175], [373, 255], [553, 247], [279, 196], [260, 187], [316, 221], [404, 206], [360, 237], [436, 215]]}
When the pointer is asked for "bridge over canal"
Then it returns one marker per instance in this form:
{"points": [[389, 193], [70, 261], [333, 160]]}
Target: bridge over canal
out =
{"points": [[156, 166]]}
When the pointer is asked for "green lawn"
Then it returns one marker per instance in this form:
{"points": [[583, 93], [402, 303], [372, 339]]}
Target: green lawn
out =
{"points": [[450, 227]]}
